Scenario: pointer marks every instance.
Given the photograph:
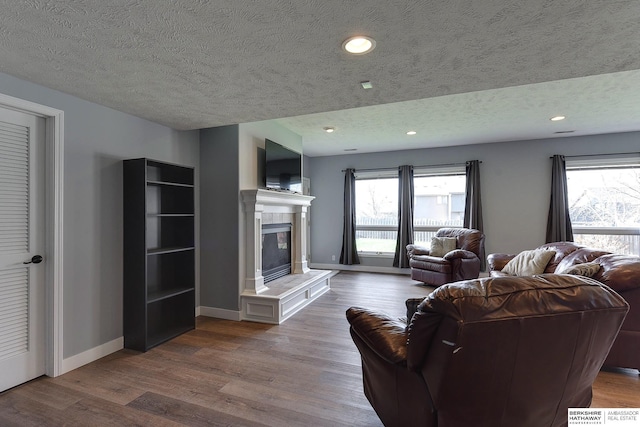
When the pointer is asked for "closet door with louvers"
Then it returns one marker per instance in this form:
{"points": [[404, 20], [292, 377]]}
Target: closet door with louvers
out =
{"points": [[22, 257]]}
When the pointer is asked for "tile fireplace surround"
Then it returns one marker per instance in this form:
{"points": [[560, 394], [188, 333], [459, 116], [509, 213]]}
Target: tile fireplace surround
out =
{"points": [[283, 297]]}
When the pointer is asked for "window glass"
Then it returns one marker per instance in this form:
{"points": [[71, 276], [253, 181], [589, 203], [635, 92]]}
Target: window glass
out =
{"points": [[604, 206], [438, 202], [376, 214], [439, 199]]}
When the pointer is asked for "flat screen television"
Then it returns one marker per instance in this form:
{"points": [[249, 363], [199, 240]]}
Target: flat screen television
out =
{"points": [[282, 168]]}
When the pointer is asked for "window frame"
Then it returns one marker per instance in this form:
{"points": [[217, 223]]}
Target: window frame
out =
{"points": [[432, 171], [604, 163], [373, 175], [418, 172]]}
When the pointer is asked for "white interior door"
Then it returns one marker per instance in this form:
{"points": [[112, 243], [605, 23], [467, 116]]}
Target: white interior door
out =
{"points": [[22, 235]]}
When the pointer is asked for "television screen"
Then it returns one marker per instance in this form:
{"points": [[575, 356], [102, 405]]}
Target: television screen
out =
{"points": [[283, 168]]}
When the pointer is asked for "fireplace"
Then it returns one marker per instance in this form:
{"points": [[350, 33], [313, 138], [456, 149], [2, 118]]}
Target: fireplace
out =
{"points": [[277, 220], [276, 251]]}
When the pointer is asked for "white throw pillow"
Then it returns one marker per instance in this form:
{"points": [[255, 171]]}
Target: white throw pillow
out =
{"points": [[528, 263], [440, 246]]}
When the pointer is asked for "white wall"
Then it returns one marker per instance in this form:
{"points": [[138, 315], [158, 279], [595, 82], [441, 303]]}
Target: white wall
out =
{"points": [[97, 139], [515, 177], [251, 138]]}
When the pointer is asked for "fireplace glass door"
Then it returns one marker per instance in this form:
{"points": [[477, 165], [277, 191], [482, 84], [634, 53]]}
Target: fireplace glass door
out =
{"points": [[276, 251]]}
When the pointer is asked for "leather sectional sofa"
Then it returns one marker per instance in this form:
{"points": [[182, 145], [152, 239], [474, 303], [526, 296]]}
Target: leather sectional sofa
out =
{"points": [[620, 272]]}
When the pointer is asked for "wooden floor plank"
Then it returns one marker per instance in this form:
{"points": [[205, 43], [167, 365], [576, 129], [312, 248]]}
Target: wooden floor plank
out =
{"points": [[49, 393], [100, 412], [19, 410], [187, 413], [304, 372]]}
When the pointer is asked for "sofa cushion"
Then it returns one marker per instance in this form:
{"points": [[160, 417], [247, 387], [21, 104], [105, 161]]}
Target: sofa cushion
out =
{"points": [[619, 272], [442, 245], [528, 263], [426, 262], [562, 250], [579, 256], [586, 269]]}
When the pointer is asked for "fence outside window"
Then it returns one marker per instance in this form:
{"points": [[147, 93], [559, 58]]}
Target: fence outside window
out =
{"points": [[378, 236]]}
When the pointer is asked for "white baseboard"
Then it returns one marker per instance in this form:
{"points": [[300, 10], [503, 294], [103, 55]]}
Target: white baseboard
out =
{"points": [[363, 268], [91, 355], [218, 313]]}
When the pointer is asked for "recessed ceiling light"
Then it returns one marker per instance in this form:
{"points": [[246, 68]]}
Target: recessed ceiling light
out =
{"points": [[359, 45], [350, 149], [411, 132], [557, 118], [329, 129]]}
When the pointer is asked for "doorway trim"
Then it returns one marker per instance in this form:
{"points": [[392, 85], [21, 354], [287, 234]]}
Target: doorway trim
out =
{"points": [[54, 174]]}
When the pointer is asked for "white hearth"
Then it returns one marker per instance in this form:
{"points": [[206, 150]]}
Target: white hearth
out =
{"points": [[279, 299]]}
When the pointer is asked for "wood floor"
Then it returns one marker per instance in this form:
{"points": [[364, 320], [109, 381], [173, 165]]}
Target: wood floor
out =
{"points": [[305, 372]]}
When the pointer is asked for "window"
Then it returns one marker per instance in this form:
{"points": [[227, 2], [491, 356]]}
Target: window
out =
{"points": [[604, 203], [439, 198], [377, 212]]}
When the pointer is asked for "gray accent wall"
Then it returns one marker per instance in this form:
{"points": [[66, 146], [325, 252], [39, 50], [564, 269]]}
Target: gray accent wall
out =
{"points": [[515, 176], [219, 213], [96, 140]]}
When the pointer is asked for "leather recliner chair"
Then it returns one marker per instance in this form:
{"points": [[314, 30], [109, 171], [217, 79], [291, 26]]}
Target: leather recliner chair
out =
{"points": [[507, 351], [460, 264]]}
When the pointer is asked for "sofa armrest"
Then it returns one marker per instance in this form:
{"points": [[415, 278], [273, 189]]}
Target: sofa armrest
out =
{"points": [[459, 254], [384, 335], [417, 250], [496, 262]]}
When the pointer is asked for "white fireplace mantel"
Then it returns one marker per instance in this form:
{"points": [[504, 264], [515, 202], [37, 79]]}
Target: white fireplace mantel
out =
{"points": [[285, 296], [260, 204]]}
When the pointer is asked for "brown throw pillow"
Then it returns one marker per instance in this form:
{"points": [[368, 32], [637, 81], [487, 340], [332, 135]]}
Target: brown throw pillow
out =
{"points": [[528, 263], [586, 269]]}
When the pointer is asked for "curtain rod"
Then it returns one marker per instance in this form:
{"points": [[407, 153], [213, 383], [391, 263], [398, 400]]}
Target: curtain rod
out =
{"points": [[422, 166], [600, 155]]}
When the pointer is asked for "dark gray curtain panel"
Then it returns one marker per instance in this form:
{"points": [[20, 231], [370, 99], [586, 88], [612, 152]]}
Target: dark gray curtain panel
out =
{"points": [[349, 253], [559, 223], [405, 216], [473, 203]]}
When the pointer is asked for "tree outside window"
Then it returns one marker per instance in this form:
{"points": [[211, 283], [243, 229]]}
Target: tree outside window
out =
{"points": [[604, 206]]}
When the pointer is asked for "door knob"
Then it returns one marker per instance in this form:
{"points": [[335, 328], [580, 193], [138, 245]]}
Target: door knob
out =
{"points": [[36, 259]]}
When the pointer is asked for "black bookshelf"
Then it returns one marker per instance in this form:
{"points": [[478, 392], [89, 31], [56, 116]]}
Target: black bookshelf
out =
{"points": [[159, 252]]}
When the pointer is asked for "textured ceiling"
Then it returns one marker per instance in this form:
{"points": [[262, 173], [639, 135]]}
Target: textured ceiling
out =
{"points": [[455, 71]]}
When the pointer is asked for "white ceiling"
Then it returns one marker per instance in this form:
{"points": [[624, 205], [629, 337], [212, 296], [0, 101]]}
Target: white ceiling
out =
{"points": [[457, 72]]}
